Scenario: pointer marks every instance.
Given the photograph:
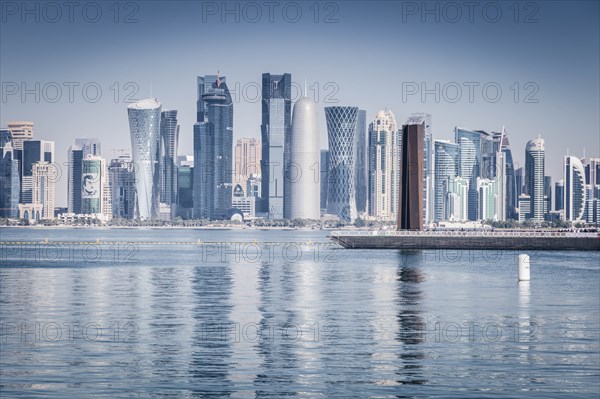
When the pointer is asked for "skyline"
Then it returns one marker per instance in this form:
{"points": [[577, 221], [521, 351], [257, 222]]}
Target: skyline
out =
{"points": [[325, 53]]}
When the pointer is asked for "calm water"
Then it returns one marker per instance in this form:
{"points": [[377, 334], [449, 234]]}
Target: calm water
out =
{"points": [[295, 319]]}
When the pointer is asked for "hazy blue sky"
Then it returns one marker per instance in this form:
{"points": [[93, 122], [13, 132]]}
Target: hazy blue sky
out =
{"points": [[370, 54]]}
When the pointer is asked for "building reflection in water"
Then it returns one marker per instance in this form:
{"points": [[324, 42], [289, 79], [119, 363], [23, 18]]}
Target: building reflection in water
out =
{"points": [[411, 327], [213, 331], [278, 357]]}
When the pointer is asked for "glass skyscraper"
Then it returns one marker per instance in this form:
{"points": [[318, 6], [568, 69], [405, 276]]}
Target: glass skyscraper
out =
{"points": [[362, 162], [472, 144], [275, 134], [428, 166], [169, 139], [341, 132], [144, 125], [9, 177], [213, 149], [75, 156], [574, 189], [122, 187], [534, 178], [446, 167]]}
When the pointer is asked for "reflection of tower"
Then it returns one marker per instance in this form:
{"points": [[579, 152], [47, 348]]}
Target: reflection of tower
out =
{"points": [[410, 322], [341, 131], [213, 330]]}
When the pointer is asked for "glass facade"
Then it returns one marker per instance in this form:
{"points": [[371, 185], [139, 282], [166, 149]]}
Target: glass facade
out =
{"points": [[275, 134], [574, 190], [534, 178], [122, 187], [144, 125], [446, 167], [169, 139], [9, 177], [341, 131], [213, 149], [362, 162]]}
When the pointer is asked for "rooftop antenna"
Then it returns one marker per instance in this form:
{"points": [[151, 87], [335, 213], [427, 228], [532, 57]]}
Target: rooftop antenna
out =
{"points": [[218, 79]]}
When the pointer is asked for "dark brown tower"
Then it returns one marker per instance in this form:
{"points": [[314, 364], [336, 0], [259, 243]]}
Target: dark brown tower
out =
{"points": [[410, 196]]}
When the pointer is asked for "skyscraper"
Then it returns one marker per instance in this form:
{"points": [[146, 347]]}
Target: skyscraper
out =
{"points": [[185, 193], [574, 192], [275, 131], [44, 178], [534, 177], [34, 151], [410, 197], [122, 187], [213, 149], [324, 166], [9, 177], [303, 167], [21, 131], [95, 191], [446, 165], [547, 194], [362, 162], [471, 144], [248, 155], [383, 166], [428, 166], [144, 125], [512, 192], [75, 156], [341, 131], [169, 140], [458, 199], [559, 192]]}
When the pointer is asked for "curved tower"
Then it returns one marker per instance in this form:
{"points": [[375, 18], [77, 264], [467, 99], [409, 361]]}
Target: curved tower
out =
{"points": [[144, 126], [303, 168], [341, 128], [574, 189]]}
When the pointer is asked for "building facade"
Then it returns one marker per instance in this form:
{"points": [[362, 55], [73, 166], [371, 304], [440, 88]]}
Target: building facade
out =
{"points": [[213, 149], [304, 157], [275, 132], [411, 176], [144, 126], [341, 132], [534, 178], [575, 189], [446, 166], [169, 141]]}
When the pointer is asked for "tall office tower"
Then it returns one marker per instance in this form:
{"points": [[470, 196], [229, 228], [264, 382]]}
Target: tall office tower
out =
{"points": [[185, 192], [592, 176], [500, 179], [547, 194], [410, 197], [247, 159], [488, 204], [384, 156], [524, 207], [9, 177], [94, 185], [446, 166], [534, 177], [144, 125], [275, 131], [75, 156], [21, 131], [122, 178], [324, 166], [43, 176], [471, 144], [512, 193], [304, 157], [361, 175], [428, 165], [559, 192], [341, 131], [34, 150], [457, 200], [574, 192], [520, 182], [213, 149], [169, 140]]}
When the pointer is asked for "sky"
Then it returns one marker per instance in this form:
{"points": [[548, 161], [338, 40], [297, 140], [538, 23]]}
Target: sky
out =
{"points": [[533, 67]]}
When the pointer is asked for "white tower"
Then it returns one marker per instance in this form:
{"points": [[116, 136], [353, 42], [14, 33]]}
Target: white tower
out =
{"points": [[303, 171]]}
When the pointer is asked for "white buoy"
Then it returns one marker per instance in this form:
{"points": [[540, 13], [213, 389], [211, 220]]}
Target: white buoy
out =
{"points": [[524, 270]]}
